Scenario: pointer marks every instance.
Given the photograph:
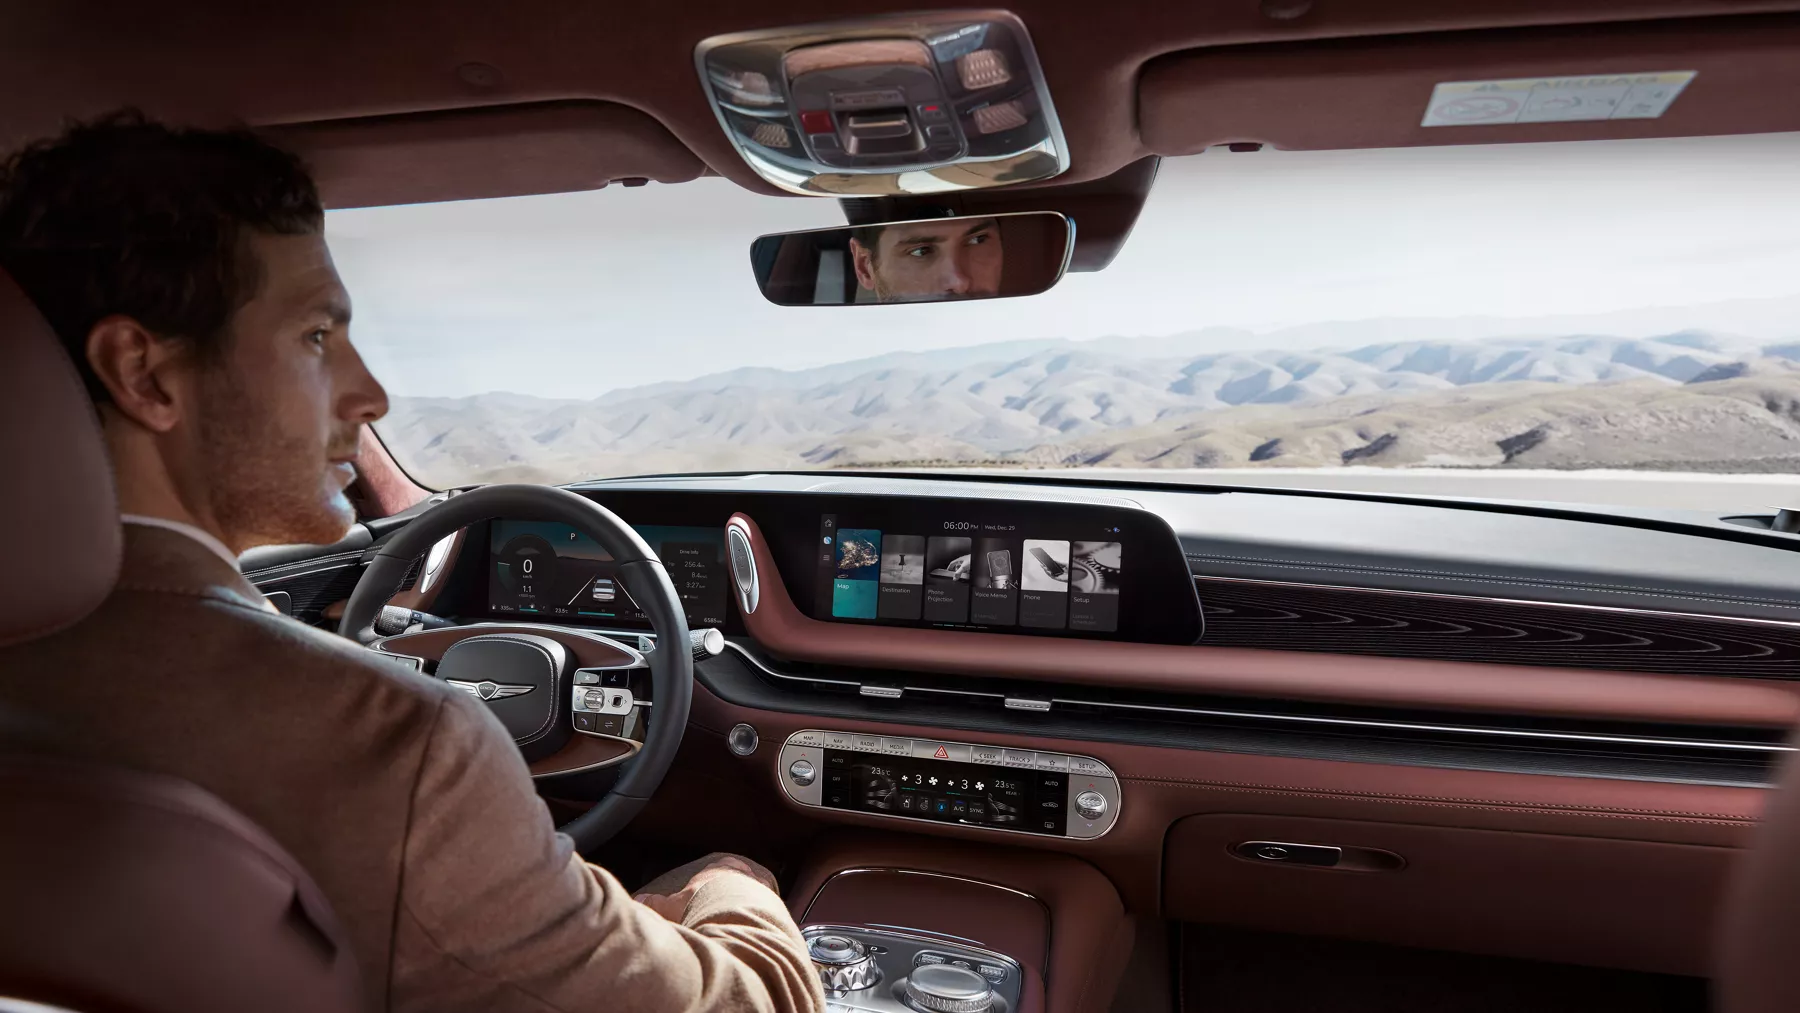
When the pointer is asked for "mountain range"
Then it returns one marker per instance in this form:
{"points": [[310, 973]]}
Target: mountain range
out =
{"points": [[1688, 400]]}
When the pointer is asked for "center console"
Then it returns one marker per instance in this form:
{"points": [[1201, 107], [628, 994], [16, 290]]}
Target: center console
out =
{"points": [[900, 923], [882, 970]]}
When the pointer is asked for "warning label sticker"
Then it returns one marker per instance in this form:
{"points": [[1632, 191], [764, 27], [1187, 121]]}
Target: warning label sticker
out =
{"points": [[1555, 99]]}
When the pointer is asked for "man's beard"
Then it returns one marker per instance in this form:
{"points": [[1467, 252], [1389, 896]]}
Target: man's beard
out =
{"points": [[266, 485]]}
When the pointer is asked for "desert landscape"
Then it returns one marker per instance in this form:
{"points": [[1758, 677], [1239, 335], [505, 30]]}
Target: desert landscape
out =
{"points": [[1686, 401]]}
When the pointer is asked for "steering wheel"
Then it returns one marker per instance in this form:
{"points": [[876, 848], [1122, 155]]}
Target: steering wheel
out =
{"points": [[638, 568]]}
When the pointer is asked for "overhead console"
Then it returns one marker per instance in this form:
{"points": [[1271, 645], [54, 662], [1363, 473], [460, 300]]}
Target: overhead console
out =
{"points": [[921, 103]]}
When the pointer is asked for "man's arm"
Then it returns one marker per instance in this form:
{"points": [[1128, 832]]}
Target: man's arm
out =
{"points": [[497, 912]]}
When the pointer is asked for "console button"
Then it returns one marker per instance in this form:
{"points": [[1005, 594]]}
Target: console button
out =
{"points": [[807, 739], [897, 747], [1019, 758], [1086, 765], [927, 957], [992, 972], [866, 743], [837, 740], [987, 754], [1052, 761], [931, 749]]}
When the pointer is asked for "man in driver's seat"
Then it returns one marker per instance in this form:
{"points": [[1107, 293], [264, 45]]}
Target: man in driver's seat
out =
{"points": [[187, 274]]}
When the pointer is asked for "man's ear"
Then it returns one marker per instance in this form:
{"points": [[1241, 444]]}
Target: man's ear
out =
{"points": [[139, 371], [863, 259]]}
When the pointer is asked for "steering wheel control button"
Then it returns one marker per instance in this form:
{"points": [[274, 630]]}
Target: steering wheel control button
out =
{"points": [[587, 677], [802, 772], [742, 739], [1090, 805], [939, 988], [584, 722]]}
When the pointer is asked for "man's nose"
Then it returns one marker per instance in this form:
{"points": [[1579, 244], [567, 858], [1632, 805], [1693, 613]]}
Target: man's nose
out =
{"points": [[362, 398], [956, 276]]}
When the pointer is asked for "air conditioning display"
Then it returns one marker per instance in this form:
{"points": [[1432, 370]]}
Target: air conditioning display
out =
{"points": [[988, 573]]}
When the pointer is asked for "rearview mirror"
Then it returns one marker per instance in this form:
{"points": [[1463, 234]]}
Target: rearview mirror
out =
{"points": [[929, 260]]}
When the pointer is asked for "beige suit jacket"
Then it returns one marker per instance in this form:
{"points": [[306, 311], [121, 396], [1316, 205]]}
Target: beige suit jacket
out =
{"points": [[403, 797]]}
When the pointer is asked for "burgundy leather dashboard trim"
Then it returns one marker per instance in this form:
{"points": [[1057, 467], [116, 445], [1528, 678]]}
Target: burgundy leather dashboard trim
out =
{"points": [[1581, 824], [1472, 686]]}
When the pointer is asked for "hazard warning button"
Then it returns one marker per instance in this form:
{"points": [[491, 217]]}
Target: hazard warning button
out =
{"points": [[931, 749]]}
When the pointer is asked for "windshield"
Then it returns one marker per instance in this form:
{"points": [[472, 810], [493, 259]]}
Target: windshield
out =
{"points": [[1320, 318]]}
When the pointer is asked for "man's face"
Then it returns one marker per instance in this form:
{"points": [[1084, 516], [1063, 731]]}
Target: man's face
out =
{"points": [[280, 418], [932, 260]]}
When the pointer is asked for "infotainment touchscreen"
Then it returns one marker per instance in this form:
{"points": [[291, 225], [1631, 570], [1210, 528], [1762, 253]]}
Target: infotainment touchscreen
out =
{"points": [[1036, 575], [549, 569]]}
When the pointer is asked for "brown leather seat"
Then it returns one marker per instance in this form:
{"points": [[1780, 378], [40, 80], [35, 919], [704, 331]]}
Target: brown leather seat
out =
{"points": [[120, 891]]}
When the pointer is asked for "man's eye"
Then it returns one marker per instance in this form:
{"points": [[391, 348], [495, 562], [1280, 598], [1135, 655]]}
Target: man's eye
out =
{"points": [[977, 239], [318, 335], [919, 251]]}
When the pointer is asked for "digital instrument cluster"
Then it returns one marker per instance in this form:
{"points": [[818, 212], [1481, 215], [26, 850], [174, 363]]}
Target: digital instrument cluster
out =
{"points": [[546, 569]]}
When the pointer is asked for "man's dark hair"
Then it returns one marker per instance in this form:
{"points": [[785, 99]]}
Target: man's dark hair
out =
{"points": [[122, 215], [870, 238]]}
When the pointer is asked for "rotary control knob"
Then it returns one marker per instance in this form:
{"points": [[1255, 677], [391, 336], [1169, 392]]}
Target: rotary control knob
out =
{"points": [[844, 965], [1090, 805], [802, 772], [941, 988]]}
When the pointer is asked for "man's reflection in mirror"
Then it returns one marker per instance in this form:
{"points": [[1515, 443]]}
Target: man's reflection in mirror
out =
{"points": [[929, 261]]}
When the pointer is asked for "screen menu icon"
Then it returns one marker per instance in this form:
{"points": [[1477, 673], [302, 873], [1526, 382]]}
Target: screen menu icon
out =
{"points": [[990, 578]]}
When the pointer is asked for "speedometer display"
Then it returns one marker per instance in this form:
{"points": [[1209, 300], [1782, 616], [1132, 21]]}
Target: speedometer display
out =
{"points": [[547, 569]]}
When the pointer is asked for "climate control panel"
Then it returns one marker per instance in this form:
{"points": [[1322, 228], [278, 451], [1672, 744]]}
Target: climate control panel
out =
{"points": [[964, 783]]}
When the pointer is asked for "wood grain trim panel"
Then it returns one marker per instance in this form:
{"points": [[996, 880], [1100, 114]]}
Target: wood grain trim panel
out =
{"points": [[583, 752], [590, 649], [1393, 682]]}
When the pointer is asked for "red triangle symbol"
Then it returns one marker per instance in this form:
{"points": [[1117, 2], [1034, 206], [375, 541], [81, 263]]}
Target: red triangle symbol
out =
{"points": [[940, 754]]}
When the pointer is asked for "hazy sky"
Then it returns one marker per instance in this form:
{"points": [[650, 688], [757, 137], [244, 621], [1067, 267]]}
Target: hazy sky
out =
{"points": [[571, 295]]}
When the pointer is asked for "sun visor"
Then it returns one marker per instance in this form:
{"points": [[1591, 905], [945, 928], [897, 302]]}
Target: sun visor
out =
{"points": [[497, 151], [1540, 84]]}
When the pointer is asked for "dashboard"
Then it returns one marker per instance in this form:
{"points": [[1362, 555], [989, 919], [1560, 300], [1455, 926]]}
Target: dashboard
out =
{"points": [[1401, 678], [1095, 570]]}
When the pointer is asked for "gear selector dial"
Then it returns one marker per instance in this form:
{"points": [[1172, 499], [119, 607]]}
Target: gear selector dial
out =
{"points": [[844, 964], [942, 988]]}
